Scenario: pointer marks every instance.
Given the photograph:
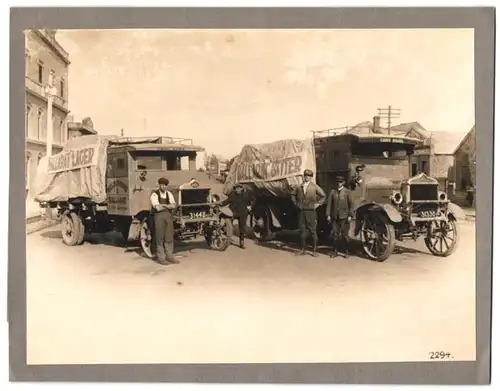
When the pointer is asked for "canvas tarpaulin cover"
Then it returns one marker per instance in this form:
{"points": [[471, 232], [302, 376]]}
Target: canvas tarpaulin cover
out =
{"points": [[79, 170], [274, 167]]}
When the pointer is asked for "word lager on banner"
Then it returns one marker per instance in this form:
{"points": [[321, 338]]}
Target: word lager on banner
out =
{"points": [[71, 159]]}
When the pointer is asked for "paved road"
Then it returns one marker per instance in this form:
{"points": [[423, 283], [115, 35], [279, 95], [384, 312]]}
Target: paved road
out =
{"points": [[102, 303]]}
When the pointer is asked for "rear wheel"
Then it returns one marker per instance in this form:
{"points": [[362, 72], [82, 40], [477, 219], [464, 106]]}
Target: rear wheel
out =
{"points": [[72, 229], [146, 239], [378, 237], [442, 238], [259, 222]]}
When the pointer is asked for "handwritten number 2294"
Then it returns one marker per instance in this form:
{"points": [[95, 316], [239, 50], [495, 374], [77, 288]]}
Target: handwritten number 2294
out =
{"points": [[439, 355]]}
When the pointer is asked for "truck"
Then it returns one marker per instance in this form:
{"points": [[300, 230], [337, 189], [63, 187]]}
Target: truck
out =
{"points": [[390, 205], [98, 184]]}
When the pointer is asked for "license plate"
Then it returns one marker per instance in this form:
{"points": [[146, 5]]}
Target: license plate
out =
{"points": [[428, 213], [197, 215]]}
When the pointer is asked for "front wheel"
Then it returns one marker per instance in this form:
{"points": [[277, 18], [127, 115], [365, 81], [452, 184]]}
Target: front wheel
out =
{"points": [[219, 236], [378, 237], [442, 238], [146, 239]]}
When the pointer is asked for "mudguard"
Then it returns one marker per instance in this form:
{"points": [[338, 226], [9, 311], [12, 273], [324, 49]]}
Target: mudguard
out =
{"points": [[270, 211], [389, 210], [274, 220], [456, 211]]}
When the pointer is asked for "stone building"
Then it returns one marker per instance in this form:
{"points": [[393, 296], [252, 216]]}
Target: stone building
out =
{"points": [[465, 161], [44, 56]]}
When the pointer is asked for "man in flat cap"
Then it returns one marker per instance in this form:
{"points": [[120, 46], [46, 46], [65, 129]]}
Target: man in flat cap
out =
{"points": [[339, 212], [239, 202], [162, 204], [307, 197]]}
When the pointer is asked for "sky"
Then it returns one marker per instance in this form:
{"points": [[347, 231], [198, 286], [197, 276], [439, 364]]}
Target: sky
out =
{"points": [[227, 88]]}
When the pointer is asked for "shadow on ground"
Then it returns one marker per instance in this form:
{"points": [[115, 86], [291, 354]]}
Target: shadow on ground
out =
{"points": [[115, 239], [289, 242]]}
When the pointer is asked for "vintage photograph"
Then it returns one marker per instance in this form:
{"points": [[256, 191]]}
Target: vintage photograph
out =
{"points": [[250, 196]]}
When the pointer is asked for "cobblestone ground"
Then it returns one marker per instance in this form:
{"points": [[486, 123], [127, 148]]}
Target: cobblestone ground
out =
{"points": [[103, 303]]}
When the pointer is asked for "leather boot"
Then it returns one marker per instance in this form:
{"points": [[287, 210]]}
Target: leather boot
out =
{"points": [[302, 247], [315, 253], [315, 246], [242, 243], [335, 252]]}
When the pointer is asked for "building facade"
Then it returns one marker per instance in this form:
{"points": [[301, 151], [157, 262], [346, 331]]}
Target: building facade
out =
{"points": [[45, 61], [465, 161]]}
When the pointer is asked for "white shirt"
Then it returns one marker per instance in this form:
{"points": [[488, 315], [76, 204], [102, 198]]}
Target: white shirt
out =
{"points": [[304, 186], [155, 201]]}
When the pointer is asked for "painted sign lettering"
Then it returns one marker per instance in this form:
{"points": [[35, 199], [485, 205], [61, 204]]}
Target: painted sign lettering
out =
{"points": [[384, 140], [72, 159], [117, 184], [279, 168]]}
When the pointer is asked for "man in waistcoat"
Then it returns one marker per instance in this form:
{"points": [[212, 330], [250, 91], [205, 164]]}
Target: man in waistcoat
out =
{"points": [[307, 197], [162, 204], [339, 212]]}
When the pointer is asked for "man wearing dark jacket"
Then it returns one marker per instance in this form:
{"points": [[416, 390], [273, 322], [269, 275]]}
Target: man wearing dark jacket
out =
{"points": [[307, 197], [339, 211], [239, 203]]}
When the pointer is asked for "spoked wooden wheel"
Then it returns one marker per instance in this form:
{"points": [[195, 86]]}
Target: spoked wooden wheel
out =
{"points": [[442, 238], [377, 237], [220, 236], [72, 229], [146, 239]]}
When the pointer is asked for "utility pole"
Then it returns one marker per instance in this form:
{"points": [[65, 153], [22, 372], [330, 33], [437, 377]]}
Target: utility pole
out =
{"points": [[389, 113], [50, 91]]}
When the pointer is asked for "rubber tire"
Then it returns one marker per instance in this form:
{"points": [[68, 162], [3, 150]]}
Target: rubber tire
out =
{"points": [[147, 252], [451, 250], [266, 234], [392, 238], [228, 224], [77, 225]]}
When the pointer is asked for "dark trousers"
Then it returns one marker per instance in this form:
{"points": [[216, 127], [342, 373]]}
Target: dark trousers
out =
{"points": [[308, 223], [242, 225], [164, 235], [340, 233]]}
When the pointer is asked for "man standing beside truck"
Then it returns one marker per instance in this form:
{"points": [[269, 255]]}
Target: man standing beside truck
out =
{"points": [[307, 197], [339, 212], [162, 205], [239, 202]]}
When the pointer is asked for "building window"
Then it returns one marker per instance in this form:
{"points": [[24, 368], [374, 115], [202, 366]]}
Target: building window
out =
{"points": [[28, 172], [61, 88], [62, 130], [40, 73], [39, 125], [414, 169], [27, 119]]}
